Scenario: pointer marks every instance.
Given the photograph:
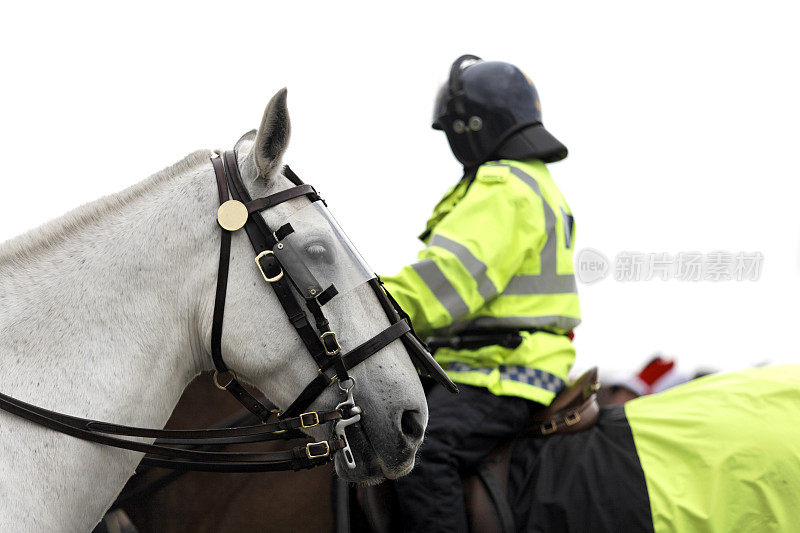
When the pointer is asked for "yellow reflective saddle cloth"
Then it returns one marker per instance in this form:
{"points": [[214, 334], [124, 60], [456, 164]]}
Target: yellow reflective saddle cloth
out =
{"points": [[722, 453]]}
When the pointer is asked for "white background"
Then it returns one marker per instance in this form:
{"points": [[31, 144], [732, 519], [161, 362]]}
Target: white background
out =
{"points": [[681, 122]]}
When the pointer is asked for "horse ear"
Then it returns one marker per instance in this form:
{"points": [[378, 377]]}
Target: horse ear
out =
{"points": [[273, 136]]}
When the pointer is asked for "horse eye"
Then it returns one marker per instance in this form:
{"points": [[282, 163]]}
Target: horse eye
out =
{"points": [[318, 252], [316, 249]]}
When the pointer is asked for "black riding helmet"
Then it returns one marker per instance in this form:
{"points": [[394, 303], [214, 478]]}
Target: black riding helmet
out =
{"points": [[490, 110]]}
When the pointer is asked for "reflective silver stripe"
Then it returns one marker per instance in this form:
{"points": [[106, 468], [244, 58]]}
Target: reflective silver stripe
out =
{"points": [[551, 322], [475, 267], [523, 374], [529, 180], [441, 287], [548, 282], [527, 284], [569, 227]]}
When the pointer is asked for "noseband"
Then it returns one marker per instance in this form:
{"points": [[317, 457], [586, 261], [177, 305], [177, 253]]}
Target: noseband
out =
{"points": [[170, 448]]}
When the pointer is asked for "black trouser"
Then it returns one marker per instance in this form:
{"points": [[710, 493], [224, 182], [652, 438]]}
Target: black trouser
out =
{"points": [[462, 429]]}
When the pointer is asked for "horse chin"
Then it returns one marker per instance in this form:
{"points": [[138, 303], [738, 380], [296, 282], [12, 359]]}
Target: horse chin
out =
{"points": [[370, 468]]}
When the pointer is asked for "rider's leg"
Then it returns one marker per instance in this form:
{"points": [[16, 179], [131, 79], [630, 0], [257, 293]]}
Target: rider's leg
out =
{"points": [[462, 429]]}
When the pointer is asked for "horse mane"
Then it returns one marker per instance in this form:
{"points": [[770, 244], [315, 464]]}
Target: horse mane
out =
{"points": [[21, 247]]}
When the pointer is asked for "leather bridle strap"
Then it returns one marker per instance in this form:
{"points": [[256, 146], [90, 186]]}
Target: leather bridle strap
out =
{"points": [[261, 204], [263, 240], [420, 356], [227, 174], [296, 458], [214, 436], [219, 435], [351, 360], [231, 384], [222, 275]]}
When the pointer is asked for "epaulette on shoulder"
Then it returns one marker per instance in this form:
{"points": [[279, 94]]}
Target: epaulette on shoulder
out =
{"points": [[493, 174]]}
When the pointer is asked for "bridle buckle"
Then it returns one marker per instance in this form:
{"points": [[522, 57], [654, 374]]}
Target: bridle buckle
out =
{"points": [[311, 455], [336, 347], [217, 384], [314, 419], [268, 279]]}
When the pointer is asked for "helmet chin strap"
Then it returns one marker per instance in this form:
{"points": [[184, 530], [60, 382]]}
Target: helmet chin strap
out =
{"points": [[469, 174], [454, 88], [454, 80]]}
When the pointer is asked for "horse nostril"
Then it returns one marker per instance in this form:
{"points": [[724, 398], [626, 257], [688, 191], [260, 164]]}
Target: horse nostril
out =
{"points": [[411, 425]]}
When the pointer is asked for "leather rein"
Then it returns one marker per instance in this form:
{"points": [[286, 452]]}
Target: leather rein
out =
{"points": [[174, 448]]}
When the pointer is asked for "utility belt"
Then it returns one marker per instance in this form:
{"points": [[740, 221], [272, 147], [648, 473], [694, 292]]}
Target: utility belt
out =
{"points": [[475, 340]]}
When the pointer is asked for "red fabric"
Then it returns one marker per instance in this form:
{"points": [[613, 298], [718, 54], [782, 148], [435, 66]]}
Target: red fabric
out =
{"points": [[655, 370]]}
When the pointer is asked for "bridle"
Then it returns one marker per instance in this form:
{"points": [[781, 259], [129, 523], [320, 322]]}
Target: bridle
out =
{"points": [[174, 448]]}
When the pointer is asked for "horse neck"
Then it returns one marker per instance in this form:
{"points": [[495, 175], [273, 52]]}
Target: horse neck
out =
{"points": [[97, 320]]}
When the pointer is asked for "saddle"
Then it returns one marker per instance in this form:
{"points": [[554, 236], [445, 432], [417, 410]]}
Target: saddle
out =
{"points": [[485, 489]]}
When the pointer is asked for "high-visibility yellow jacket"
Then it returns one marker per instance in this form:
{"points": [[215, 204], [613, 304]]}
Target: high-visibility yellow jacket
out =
{"points": [[498, 257]]}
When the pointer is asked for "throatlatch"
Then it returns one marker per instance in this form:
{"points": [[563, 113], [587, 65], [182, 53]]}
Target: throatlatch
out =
{"points": [[288, 272]]}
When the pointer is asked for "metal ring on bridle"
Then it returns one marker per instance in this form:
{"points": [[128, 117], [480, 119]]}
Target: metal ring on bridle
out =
{"points": [[344, 386], [216, 381], [264, 274]]}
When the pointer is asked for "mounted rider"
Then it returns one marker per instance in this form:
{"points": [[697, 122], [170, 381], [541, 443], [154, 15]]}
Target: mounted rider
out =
{"points": [[494, 289]]}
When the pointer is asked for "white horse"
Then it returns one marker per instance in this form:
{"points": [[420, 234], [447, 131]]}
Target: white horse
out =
{"points": [[106, 312]]}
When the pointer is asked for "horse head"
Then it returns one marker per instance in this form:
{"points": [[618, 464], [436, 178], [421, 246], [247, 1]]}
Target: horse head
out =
{"points": [[264, 349]]}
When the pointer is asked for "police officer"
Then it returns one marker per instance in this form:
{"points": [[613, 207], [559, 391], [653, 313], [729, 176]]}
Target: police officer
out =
{"points": [[494, 289]]}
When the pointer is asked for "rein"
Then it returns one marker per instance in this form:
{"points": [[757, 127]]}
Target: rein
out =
{"points": [[321, 342]]}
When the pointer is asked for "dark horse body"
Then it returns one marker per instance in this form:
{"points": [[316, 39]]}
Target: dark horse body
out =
{"points": [[165, 501], [201, 501], [719, 454], [159, 500]]}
